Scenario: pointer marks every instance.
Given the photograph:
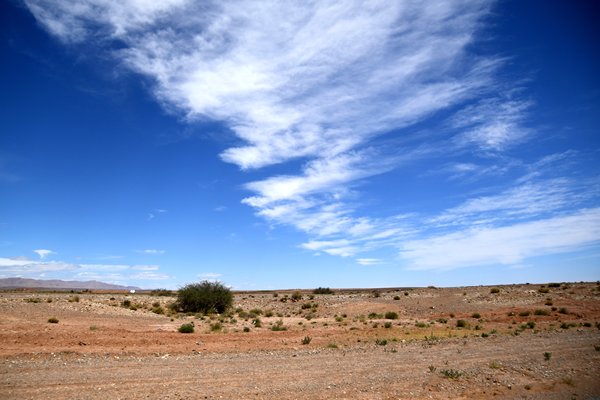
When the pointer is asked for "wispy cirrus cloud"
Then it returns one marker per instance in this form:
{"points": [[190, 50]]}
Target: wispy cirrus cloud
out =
{"points": [[151, 251], [508, 245], [112, 273]]}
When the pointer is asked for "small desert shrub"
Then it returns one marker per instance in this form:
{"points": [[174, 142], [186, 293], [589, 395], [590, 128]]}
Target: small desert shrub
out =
{"points": [[186, 328], [339, 318], [494, 365], [569, 381], [257, 322], [306, 340], [547, 356], [376, 293], [246, 329], [381, 342], [216, 327], [419, 324], [461, 323], [563, 310], [158, 310], [391, 315], [494, 290], [161, 292], [554, 285], [442, 320], [74, 299], [323, 290], [256, 311], [278, 326], [306, 306], [524, 313], [541, 312], [548, 302], [332, 346], [597, 347], [53, 320], [387, 325], [296, 296], [451, 373], [126, 303], [375, 316], [156, 304], [49, 301], [205, 297], [528, 387], [530, 325], [476, 315], [484, 335], [432, 368], [396, 297], [33, 300], [543, 290]]}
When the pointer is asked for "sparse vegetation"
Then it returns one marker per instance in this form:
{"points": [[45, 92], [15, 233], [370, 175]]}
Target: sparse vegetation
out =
{"points": [[381, 342], [391, 315], [461, 323], [547, 356], [278, 326], [53, 320], [246, 329], [563, 310], [451, 373], [204, 297], [494, 290], [161, 292], [306, 340], [524, 313], [541, 312], [296, 296], [323, 290], [186, 328], [476, 315], [420, 324], [216, 327]]}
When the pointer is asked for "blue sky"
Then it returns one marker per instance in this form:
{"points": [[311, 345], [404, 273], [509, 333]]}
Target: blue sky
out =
{"points": [[288, 145]]}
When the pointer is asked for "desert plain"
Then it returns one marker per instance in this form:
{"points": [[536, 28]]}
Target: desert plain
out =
{"points": [[524, 341]]}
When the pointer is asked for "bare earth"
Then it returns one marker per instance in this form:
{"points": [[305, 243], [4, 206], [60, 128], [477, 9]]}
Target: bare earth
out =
{"points": [[102, 350]]}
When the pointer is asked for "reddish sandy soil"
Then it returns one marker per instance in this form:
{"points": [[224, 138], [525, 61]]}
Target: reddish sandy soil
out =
{"points": [[100, 349]]}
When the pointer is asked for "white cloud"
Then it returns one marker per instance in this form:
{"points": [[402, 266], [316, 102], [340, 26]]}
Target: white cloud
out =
{"points": [[63, 270], [369, 261], [43, 253], [509, 245], [523, 201], [493, 124], [209, 275], [151, 251]]}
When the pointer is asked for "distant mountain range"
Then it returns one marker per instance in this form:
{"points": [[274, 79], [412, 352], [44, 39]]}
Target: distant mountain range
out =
{"points": [[18, 283]]}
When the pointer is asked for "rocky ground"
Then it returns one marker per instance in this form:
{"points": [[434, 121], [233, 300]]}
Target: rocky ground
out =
{"points": [[516, 341]]}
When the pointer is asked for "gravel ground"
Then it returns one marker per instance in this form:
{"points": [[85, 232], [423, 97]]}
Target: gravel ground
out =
{"points": [[101, 350]]}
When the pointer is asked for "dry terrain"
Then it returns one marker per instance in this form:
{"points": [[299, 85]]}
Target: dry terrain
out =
{"points": [[514, 341]]}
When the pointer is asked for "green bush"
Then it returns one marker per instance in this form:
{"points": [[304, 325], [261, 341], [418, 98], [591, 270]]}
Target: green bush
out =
{"points": [[53, 320], [161, 292], [306, 340], [205, 297], [494, 290], [186, 328], [461, 323], [322, 290], [476, 315], [391, 315]]}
